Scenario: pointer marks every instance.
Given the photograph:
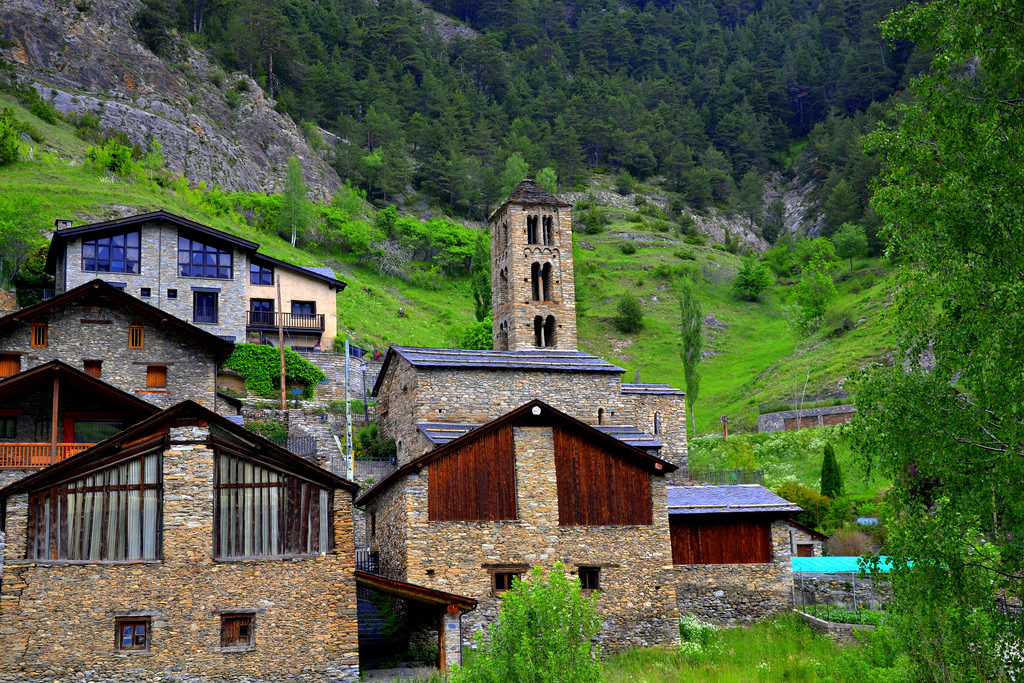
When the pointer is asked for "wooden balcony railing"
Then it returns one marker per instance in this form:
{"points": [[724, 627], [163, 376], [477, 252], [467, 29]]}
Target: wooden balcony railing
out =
{"points": [[267, 320], [23, 456]]}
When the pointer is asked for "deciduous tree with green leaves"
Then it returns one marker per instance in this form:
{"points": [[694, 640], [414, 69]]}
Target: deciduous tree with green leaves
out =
{"points": [[296, 209], [952, 438], [851, 242], [691, 319]]}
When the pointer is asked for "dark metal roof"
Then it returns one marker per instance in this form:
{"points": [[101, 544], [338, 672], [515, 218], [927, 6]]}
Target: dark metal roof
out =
{"points": [[729, 498], [115, 298], [441, 433], [324, 274], [660, 389], [529, 192]]}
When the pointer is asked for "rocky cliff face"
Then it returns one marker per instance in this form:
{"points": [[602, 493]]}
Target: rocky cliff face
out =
{"points": [[85, 57]]}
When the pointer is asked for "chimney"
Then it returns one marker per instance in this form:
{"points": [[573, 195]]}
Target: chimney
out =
{"points": [[62, 223]]}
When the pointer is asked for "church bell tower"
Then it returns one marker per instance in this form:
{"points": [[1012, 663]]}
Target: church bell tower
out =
{"points": [[533, 293]]}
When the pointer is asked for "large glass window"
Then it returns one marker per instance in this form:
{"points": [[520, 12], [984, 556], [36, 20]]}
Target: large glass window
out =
{"points": [[196, 259], [261, 311], [113, 254], [204, 307], [260, 275], [264, 513], [113, 514]]}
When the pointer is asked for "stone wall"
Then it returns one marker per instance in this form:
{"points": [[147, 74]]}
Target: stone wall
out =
{"points": [[158, 270], [59, 618], [637, 601], [844, 590], [512, 259], [840, 633], [809, 417], [79, 332], [735, 594], [472, 395], [362, 375]]}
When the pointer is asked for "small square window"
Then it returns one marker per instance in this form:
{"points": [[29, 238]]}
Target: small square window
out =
{"points": [[172, 294], [502, 580], [144, 292], [93, 367], [590, 578], [236, 630], [8, 427], [132, 634], [156, 376]]}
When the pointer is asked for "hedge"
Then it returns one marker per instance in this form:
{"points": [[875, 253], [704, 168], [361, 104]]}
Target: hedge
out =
{"points": [[260, 365]]}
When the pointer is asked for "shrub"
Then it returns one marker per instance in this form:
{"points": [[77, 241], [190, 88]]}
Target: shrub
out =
{"points": [[270, 430], [373, 447], [113, 157], [216, 76], [427, 277], [752, 279], [625, 183], [687, 225], [815, 505], [848, 543], [685, 254], [693, 630], [232, 98], [260, 366], [662, 226], [696, 240], [478, 335], [42, 109], [593, 220], [627, 248], [544, 632], [10, 146], [629, 316]]}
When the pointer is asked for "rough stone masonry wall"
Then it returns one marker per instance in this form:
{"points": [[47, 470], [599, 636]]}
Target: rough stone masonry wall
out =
{"points": [[79, 332], [739, 593], [58, 619], [390, 539], [512, 259], [461, 395], [809, 417], [158, 270], [637, 602], [362, 375]]}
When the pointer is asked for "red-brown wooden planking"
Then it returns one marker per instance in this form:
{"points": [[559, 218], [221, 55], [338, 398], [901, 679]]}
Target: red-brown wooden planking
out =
{"points": [[700, 539], [597, 487], [475, 482]]}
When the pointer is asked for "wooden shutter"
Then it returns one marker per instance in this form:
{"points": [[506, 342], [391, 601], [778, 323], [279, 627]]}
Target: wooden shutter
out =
{"points": [[156, 376], [10, 364], [39, 335], [720, 540], [475, 482], [93, 367], [136, 336]]}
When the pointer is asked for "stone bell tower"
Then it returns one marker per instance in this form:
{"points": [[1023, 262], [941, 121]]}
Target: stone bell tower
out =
{"points": [[533, 293]]}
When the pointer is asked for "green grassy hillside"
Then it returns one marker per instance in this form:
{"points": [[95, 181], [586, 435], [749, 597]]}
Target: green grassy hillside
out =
{"points": [[751, 357]]}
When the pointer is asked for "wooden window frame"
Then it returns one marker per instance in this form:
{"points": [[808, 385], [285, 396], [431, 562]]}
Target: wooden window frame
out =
{"points": [[502, 575], [6, 420], [248, 619], [40, 335], [121, 622], [809, 549], [89, 365], [152, 371], [13, 360], [136, 336], [590, 578]]}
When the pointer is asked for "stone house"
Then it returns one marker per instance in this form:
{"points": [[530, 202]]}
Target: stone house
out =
{"points": [[183, 548], [531, 488], [805, 541], [209, 277], [120, 339], [53, 411], [731, 547]]}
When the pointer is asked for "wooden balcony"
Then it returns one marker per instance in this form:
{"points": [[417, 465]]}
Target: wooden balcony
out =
{"points": [[292, 322], [24, 456]]}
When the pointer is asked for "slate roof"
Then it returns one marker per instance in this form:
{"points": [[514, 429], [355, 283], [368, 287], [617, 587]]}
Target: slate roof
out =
{"points": [[441, 433], [728, 498], [660, 389], [529, 192], [321, 270], [551, 360]]}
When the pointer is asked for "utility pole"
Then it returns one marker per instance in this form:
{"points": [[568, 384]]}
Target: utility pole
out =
{"points": [[349, 449], [725, 427], [280, 343]]}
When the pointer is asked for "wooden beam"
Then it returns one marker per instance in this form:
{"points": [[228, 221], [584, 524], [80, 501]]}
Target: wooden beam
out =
{"points": [[53, 417]]}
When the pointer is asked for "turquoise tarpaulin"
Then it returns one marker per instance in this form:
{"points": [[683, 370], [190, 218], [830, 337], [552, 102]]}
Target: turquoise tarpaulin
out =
{"points": [[833, 565]]}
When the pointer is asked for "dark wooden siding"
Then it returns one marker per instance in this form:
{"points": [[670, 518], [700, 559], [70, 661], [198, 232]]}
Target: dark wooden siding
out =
{"points": [[475, 482], [719, 540], [597, 487]]}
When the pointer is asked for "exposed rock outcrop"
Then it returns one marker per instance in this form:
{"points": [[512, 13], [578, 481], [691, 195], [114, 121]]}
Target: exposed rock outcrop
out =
{"points": [[91, 61]]}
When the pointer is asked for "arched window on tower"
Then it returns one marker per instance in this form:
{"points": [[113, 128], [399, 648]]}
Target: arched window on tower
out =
{"points": [[504, 229], [538, 332], [535, 276], [549, 331], [531, 230], [549, 230], [600, 416], [657, 424], [545, 280], [503, 336]]}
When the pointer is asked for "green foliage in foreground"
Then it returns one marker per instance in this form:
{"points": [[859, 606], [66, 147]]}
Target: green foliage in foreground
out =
{"points": [[544, 632], [831, 476], [779, 649], [260, 365]]}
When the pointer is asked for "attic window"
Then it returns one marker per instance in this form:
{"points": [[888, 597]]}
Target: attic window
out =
{"points": [[136, 336], [40, 334], [93, 367]]}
